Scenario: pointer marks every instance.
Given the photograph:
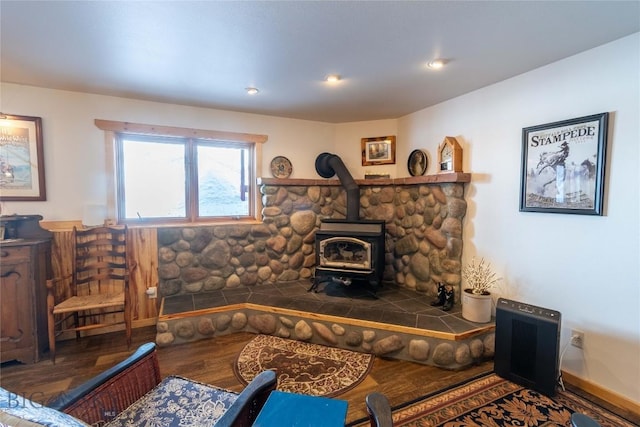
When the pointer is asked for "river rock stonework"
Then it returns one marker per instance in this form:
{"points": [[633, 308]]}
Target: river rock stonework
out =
{"points": [[419, 346], [423, 246], [423, 242]]}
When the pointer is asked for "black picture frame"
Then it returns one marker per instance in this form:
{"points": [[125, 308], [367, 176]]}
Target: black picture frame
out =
{"points": [[417, 163], [563, 166]]}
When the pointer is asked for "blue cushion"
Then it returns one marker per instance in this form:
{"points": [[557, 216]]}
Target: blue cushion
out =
{"points": [[177, 401], [16, 410]]}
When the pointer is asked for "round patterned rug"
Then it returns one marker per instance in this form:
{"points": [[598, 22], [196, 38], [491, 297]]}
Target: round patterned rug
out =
{"points": [[303, 367]]}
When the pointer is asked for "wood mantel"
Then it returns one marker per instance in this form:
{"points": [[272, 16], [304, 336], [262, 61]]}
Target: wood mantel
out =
{"points": [[441, 178]]}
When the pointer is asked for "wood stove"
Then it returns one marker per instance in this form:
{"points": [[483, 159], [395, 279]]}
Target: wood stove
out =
{"points": [[350, 250]]}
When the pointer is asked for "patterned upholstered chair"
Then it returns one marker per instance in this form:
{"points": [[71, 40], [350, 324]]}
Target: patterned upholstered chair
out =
{"points": [[132, 392]]}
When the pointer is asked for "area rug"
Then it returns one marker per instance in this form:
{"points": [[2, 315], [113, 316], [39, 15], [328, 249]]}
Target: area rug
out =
{"points": [[303, 367], [494, 401]]}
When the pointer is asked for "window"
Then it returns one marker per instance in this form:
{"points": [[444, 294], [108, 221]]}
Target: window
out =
{"points": [[170, 178], [169, 175]]}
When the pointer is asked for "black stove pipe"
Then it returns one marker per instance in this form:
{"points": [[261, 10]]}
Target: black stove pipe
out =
{"points": [[327, 165]]}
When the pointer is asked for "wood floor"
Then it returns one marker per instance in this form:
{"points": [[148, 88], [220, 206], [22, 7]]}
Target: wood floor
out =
{"points": [[210, 361]]}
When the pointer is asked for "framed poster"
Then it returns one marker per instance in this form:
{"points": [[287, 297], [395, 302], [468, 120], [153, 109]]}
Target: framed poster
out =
{"points": [[563, 165], [378, 151], [21, 158]]}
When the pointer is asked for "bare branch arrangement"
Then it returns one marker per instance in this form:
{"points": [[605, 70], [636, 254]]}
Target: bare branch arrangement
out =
{"points": [[479, 277]]}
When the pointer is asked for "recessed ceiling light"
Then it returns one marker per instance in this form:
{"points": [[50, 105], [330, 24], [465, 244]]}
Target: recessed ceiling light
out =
{"points": [[252, 90], [436, 64], [332, 78]]}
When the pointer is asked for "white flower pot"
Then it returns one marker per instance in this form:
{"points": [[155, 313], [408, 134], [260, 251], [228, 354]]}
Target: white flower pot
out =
{"points": [[476, 308]]}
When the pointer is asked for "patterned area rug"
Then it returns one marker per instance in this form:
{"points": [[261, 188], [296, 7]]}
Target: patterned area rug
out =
{"points": [[303, 367], [493, 401]]}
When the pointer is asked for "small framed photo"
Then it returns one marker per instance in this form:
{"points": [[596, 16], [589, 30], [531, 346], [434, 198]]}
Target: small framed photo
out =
{"points": [[417, 163], [378, 151], [21, 159], [563, 166]]}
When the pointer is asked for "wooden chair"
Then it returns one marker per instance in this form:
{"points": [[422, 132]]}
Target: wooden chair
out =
{"points": [[99, 288], [114, 389], [134, 393], [379, 410]]}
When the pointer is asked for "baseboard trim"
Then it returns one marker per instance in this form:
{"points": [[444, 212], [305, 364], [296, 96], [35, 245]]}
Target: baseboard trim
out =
{"points": [[602, 393]]}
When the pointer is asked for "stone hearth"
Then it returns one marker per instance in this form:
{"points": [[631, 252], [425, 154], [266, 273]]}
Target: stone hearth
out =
{"points": [[254, 277], [395, 323]]}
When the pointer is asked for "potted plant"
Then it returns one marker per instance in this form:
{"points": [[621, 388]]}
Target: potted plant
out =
{"points": [[476, 298]]}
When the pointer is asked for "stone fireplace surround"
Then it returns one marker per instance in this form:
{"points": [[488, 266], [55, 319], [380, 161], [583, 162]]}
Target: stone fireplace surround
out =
{"points": [[423, 246]]}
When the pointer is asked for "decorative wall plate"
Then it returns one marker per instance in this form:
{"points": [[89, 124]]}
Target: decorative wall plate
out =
{"points": [[417, 163], [281, 167]]}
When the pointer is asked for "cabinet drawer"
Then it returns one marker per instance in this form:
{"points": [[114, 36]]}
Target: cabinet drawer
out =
{"points": [[18, 253]]}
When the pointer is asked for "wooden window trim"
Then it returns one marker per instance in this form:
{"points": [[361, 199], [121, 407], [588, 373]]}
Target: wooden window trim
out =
{"points": [[111, 127]]}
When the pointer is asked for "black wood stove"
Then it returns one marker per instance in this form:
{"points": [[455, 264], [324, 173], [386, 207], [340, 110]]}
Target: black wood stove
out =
{"points": [[348, 249]]}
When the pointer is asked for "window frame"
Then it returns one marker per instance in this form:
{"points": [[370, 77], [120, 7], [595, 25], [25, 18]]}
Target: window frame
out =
{"points": [[114, 205]]}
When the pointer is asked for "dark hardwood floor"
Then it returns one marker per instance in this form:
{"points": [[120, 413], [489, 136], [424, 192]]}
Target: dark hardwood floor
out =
{"points": [[210, 361]]}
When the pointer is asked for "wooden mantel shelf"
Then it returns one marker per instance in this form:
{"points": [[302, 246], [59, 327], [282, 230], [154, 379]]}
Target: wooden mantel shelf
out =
{"points": [[441, 178]]}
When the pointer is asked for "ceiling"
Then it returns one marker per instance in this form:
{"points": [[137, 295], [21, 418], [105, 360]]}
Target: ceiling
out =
{"points": [[205, 53]]}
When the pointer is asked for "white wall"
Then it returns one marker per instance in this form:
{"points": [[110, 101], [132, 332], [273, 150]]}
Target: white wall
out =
{"points": [[348, 146], [586, 267], [74, 147]]}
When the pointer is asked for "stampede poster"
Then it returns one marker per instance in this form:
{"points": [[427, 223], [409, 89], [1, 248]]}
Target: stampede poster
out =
{"points": [[563, 166]]}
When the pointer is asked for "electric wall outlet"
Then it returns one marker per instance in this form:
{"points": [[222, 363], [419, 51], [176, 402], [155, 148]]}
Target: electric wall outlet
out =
{"points": [[152, 292], [577, 338]]}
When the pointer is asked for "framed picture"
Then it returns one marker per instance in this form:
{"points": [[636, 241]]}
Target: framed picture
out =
{"points": [[378, 151], [563, 166], [21, 158], [417, 163]]}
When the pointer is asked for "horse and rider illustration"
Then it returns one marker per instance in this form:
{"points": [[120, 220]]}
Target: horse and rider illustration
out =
{"points": [[553, 161], [563, 178]]}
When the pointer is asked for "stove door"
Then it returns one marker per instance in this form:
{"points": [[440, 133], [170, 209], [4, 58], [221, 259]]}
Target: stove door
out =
{"points": [[347, 253]]}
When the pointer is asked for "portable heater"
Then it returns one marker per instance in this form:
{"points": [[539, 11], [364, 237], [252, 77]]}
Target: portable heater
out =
{"points": [[527, 345]]}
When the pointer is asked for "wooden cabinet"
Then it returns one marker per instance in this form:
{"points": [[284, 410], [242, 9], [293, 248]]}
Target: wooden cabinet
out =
{"points": [[25, 264]]}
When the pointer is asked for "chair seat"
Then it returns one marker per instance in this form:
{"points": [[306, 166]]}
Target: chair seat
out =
{"points": [[89, 302], [177, 401]]}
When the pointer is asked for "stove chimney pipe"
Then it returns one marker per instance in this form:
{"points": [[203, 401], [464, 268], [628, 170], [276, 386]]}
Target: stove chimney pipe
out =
{"points": [[327, 165]]}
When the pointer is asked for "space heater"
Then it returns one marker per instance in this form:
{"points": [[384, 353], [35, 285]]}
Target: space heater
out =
{"points": [[527, 345]]}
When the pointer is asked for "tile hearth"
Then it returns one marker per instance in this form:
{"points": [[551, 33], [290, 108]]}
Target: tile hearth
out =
{"points": [[396, 322], [391, 305]]}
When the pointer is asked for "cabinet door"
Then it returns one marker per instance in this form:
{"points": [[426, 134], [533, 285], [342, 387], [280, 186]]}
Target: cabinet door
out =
{"points": [[16, 305]]}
